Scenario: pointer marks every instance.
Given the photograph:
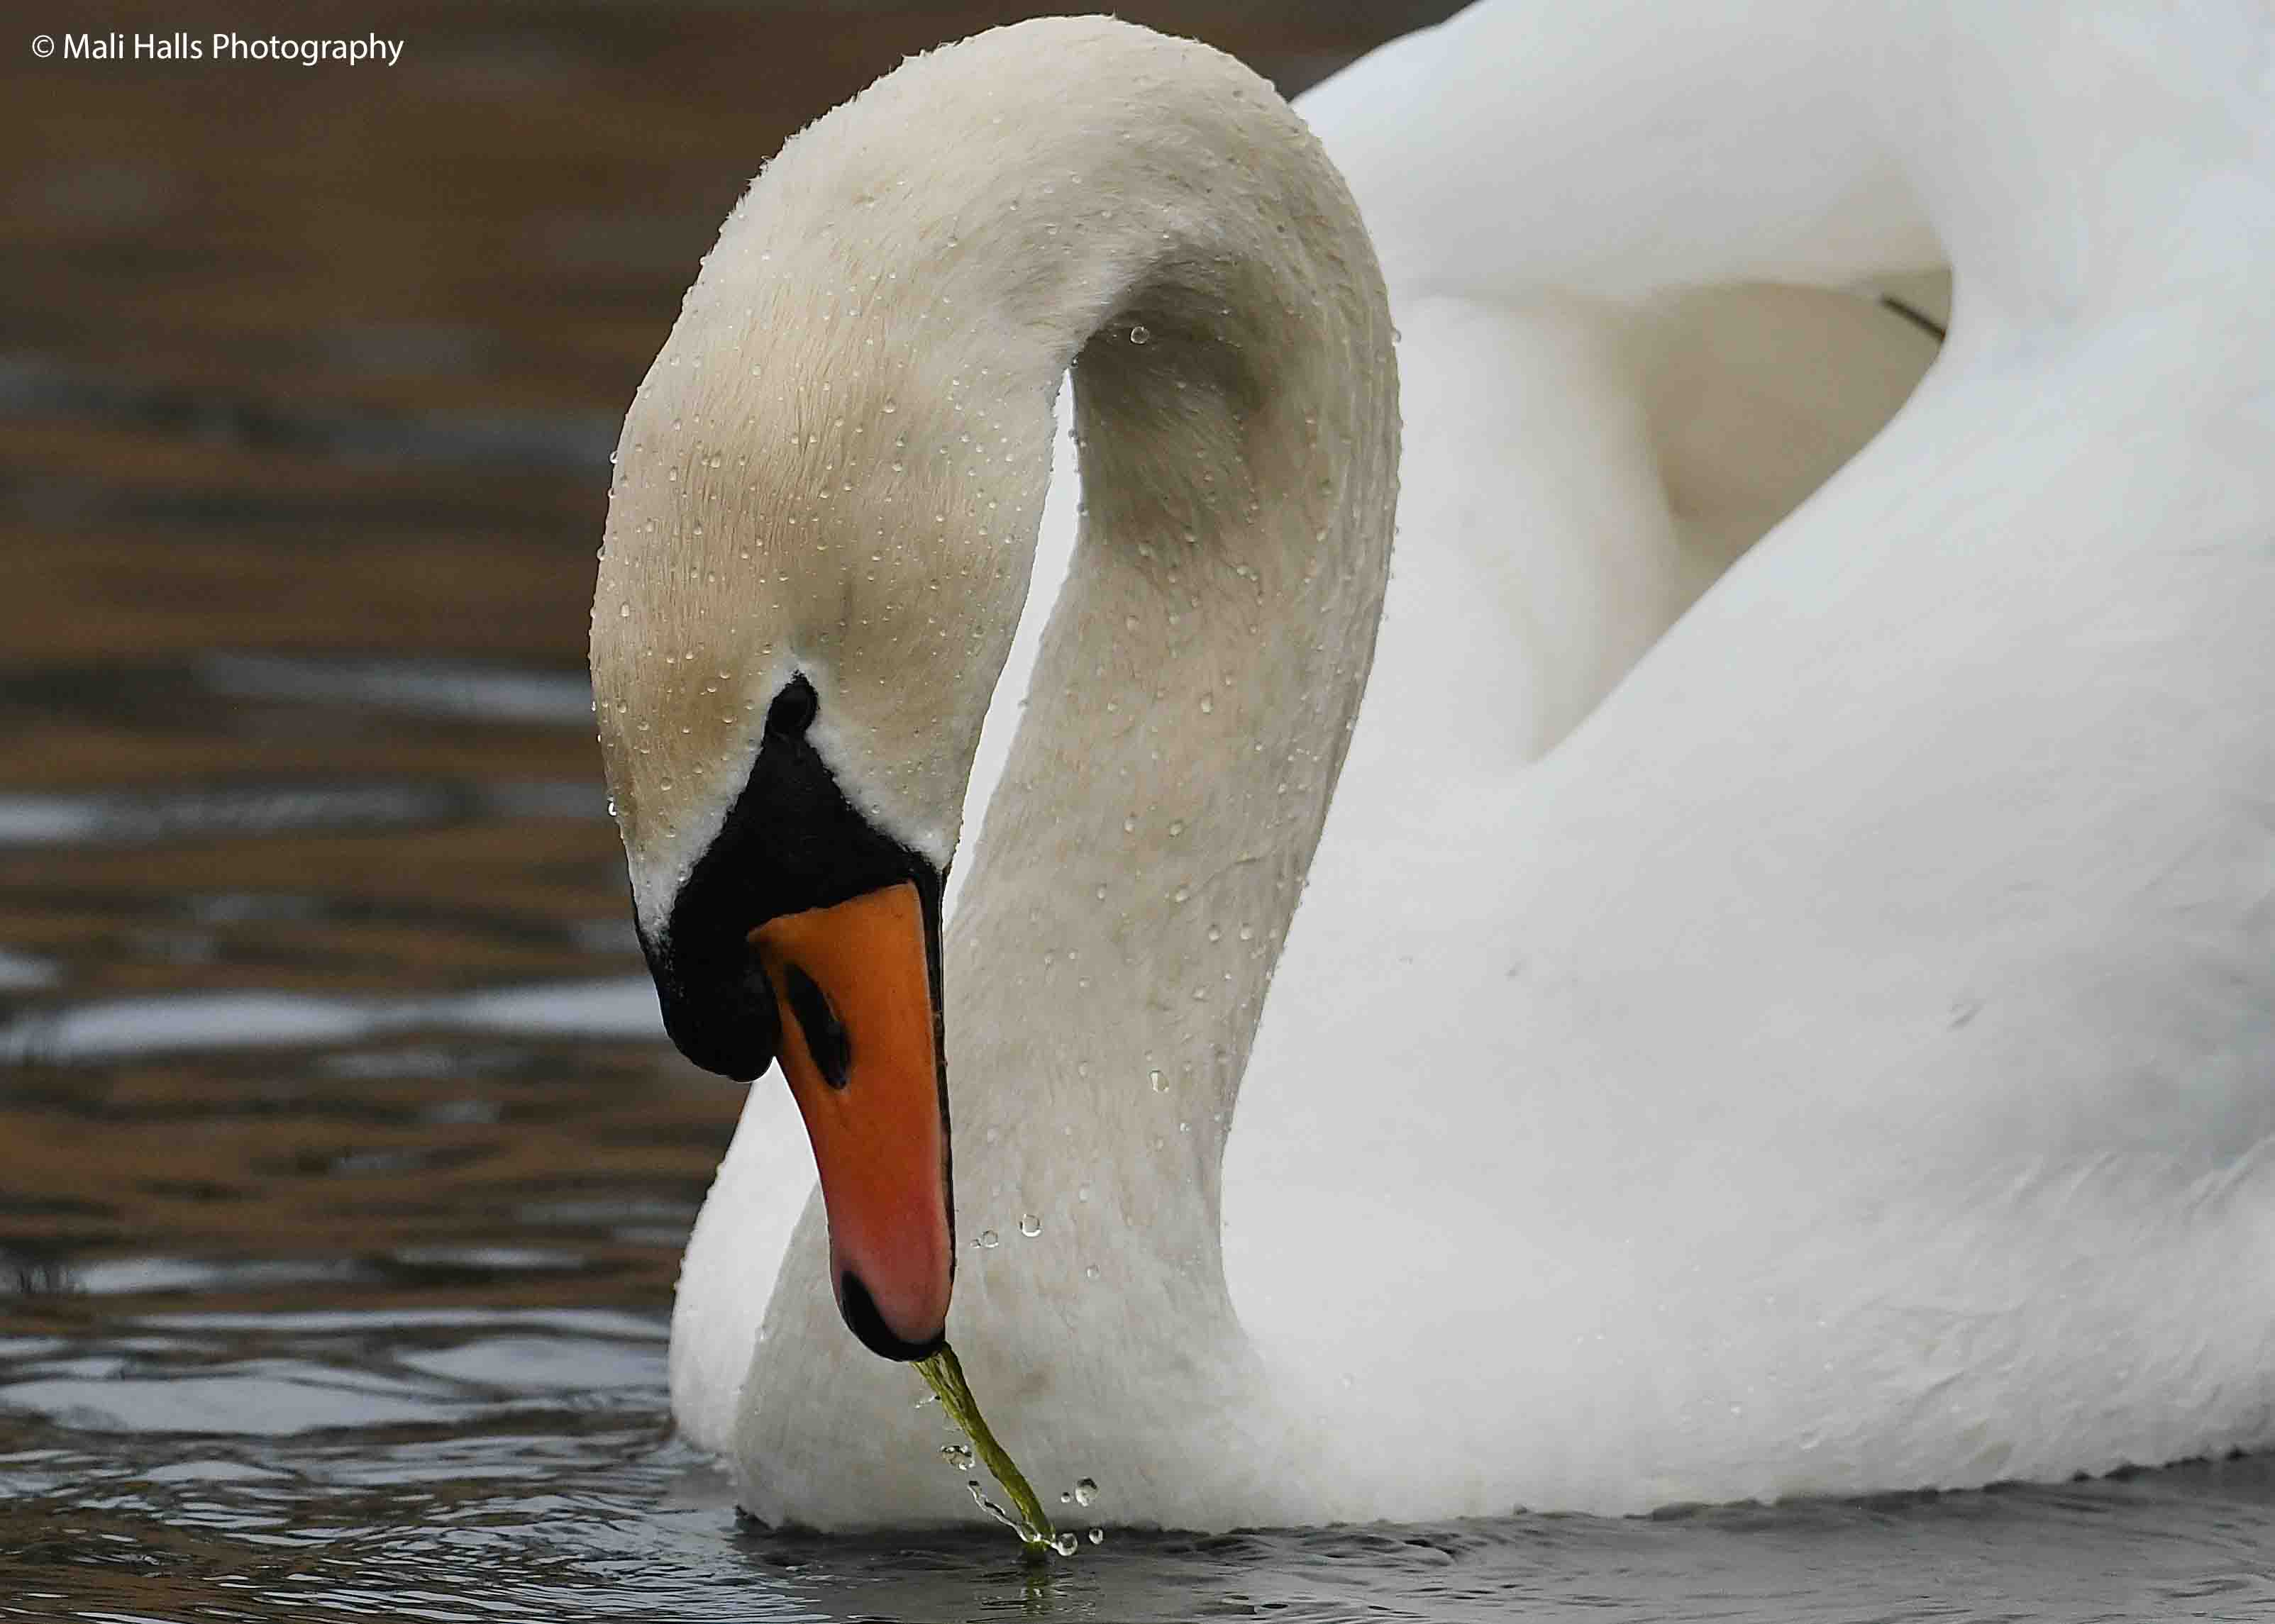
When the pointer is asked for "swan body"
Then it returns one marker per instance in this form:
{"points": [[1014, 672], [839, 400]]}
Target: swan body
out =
{"points": [[1783, 1002]]}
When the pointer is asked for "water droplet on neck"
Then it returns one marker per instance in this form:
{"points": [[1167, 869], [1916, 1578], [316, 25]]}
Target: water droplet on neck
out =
{"points": [[1085, 1490], [1030, 1225], [1138, 335], [987, 1240]]}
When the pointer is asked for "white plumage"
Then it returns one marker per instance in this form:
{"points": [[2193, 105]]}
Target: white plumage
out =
{"points": [[1798, 1025]]}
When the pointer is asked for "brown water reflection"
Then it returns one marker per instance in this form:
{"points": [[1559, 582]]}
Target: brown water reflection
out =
{"points": [[343, 1172]]}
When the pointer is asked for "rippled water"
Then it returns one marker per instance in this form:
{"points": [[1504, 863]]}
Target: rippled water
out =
{"points": [[391, 1460], [343, 1170]]}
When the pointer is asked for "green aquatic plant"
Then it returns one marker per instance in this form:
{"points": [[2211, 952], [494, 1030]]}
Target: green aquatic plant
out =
{"points": [[943, 1373]]}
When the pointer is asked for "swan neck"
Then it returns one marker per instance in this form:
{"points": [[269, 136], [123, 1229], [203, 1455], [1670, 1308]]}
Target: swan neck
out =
{"points": [[1235, 405]]}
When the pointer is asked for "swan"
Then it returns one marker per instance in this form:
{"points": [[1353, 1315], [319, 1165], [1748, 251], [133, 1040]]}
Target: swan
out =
{"points": [[1780, 1001]]}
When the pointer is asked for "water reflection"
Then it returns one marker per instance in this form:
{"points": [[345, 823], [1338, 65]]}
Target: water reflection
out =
{"points": [[343, 1172], [457, 688], [618, 1007], [228, 811], [439, 1496], [38, 386]]}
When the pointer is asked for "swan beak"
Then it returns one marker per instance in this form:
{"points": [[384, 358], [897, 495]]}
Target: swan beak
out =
{"points": [[856, 984]]}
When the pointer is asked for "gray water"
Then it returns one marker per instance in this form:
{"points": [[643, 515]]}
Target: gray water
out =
{"points": [[344, 1172], [167, 1460]]}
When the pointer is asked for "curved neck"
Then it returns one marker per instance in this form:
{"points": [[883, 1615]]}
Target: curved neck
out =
{"points": [[836, 466], [1236, 408]]}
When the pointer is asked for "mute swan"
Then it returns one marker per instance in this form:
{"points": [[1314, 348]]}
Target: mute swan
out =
{"points": [[1841, 1064]]}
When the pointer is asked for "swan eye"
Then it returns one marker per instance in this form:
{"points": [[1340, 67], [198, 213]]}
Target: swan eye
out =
{"points": [[793, 710], [825, 1036]]}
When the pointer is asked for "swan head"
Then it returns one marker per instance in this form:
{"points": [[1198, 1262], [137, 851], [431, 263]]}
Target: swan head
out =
{"points": [[821, 529], [822, 524]]}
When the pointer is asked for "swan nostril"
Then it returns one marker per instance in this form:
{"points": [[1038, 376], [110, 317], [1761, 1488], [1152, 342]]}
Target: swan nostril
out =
{"points": [[825, 1034]]}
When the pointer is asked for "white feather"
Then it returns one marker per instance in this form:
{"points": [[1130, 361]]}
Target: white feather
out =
{"points": [[1815, 1037]]}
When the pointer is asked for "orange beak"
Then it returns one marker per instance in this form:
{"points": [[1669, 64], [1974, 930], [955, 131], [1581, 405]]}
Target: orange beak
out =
{"points": [[860, 1045]]}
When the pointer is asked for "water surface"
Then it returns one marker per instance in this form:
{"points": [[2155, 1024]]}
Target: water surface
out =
{"points": [[343, 1171]]}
